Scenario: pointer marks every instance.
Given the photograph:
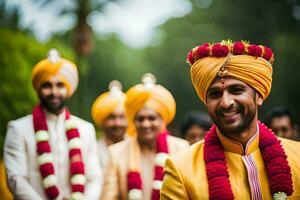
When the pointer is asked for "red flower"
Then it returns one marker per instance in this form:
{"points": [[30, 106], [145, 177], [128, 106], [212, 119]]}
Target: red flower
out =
{"points": [[77, 168], [202, 51], [74, 152], [43, 147], [155, 194], [78, 188], [219, 50], [72, 133], [46, 169], [268, 53], [134, 180], [254, 50], [190, 58], [52, 192], [238, 48]]}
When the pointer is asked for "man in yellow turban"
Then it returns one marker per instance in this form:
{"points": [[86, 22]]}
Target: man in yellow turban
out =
{"points": [[239, 158], [51, 154], [136, 167], [108, 113]]}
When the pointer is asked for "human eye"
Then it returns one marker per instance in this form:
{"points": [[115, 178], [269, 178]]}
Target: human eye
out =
{"points": [[214, 94], [237, 90]]}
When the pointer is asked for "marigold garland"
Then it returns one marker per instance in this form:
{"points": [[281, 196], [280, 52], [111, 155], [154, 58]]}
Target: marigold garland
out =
{"points": [[45, 157], [275, 160]]}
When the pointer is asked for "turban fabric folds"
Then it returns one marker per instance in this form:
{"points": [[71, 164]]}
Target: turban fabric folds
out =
{"points": [[237, 60], [105, 104], [55, 66], [155, 97]]}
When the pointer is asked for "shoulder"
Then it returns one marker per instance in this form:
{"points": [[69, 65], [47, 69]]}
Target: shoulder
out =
{"points": [[23, 121], [81, 122], [19, 125], [120, 147], [290, 146], [188, 155], [176, 144]]}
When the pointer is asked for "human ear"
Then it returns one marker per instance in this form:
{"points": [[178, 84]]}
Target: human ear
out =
{"points": [[259, 99]]}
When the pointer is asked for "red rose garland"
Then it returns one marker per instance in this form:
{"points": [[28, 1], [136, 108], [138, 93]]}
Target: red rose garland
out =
{"points": [[275, 160], [225, 47], [45, 157], [134, 179]]}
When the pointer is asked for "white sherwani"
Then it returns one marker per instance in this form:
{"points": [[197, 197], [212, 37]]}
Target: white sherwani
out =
{"points": [[20, 158], [103, 153]]}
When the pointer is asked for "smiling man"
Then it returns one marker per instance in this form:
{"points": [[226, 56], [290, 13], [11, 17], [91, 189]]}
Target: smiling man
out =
{"points": [[51, 154], [136, 168], [240, 158], [108, 113]]}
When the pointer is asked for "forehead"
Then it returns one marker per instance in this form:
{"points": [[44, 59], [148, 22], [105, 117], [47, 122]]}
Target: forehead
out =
{"points": [[229, 81], [119, 110], [54, 80], [281, 121], [145, 111]]}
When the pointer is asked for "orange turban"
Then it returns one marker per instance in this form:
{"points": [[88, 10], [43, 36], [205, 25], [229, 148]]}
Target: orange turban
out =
{"points": [[55, 66], [107, 103], [152, 96], [256, 71]]}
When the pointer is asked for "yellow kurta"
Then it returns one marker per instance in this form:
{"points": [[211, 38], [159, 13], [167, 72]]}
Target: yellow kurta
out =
{"points": [[185, 175], [115, 185]]}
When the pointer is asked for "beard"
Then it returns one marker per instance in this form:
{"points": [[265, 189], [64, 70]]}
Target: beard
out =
{"points": [[241, 125], [53, 108]]}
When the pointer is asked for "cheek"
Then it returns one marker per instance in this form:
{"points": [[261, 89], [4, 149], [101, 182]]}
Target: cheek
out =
{"points": [[44, 92], [64, 92]]}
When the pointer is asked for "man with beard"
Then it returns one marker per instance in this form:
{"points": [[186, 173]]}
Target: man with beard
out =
{"points": [[136, 167], [240, 158], [108, 113], [51, 154]]}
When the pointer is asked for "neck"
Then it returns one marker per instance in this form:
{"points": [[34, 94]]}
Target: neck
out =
{"points": [[110, 141], [55, 112], [147, 145], [244, 136]]}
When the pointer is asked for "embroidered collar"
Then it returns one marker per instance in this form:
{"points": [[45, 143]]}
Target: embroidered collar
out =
{"points": [[236, 147]]}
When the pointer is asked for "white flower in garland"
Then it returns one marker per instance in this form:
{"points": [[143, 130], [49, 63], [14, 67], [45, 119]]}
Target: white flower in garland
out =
{"points": [[77, 196], [45, 158], [160, 159], [41, 136], [157, 185], [280, 196], [135, 194], [70, 124], [75, 143], [49, 181]]}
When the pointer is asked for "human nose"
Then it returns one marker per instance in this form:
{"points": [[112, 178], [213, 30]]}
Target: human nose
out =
{"points": [[54, 90], [146, 123], [226, 100]]}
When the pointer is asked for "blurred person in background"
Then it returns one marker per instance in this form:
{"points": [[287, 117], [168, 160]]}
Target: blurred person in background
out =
{"points": [[136, 167], [194, 126], [51, 154], [108, 113], [282, 122]]}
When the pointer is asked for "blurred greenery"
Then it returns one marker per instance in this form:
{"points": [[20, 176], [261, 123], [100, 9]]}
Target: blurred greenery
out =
{"points": [[266, 22]]}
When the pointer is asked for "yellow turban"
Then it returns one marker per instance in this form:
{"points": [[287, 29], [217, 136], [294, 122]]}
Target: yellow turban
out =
{"points": [[107, 103], [248, 63], [55, 66], [152, 96]]}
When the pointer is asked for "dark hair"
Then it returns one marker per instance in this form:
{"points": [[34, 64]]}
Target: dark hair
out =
{"points": [[195, 118], [279, 112]]}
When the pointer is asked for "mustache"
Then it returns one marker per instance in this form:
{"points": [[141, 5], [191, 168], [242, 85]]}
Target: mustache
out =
{"points": [[230, 109]]}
